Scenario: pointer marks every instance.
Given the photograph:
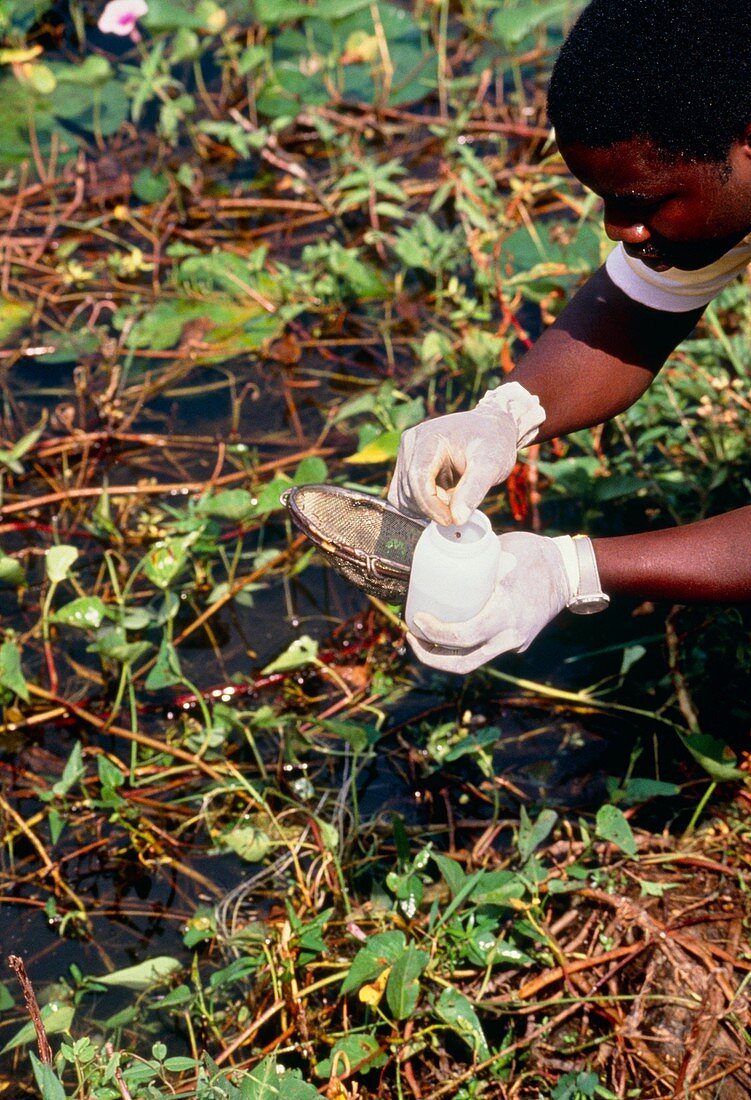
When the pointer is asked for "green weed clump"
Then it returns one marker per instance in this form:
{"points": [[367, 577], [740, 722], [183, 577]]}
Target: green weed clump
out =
{"points": [[249, 850]]}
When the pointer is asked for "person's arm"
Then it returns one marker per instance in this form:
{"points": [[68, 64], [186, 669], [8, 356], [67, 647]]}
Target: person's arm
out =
{"points": [[599, 356], [707, 560]]}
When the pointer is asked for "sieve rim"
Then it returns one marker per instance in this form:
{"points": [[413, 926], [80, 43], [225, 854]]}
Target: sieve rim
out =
{"points": [[376, 568]]}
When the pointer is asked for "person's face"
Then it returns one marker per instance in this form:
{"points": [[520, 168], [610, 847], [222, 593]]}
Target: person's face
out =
{"points": [[667, 212]]}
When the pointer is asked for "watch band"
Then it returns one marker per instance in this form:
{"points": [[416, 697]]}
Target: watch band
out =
{"points": [[587, 596]]}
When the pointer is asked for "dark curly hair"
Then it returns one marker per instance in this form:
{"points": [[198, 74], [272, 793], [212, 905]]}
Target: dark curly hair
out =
{"points": [[675, 71]]}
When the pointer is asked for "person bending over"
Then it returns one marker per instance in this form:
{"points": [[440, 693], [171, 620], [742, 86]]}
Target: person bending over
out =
{"points": [[651, 105]]}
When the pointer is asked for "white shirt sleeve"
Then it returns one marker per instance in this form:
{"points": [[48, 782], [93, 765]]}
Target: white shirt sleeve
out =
{"points": [[676, 291]]}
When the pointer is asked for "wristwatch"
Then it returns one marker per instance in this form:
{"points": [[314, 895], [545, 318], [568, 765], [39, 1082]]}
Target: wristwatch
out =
{"points": [[581, 567]]}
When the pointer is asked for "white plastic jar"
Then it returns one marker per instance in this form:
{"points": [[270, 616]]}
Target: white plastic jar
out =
{"points": [[453, 571]]}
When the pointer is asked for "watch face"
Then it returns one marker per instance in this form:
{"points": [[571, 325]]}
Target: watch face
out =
{"points": [[589, 605]]}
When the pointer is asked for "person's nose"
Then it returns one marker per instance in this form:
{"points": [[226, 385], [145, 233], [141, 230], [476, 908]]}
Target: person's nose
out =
{"points": [[620, 226]]}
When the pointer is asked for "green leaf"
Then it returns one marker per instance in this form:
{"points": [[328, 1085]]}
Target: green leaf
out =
{"points": [[381, 950], [232, 504], [451, 870], [456, 1010], [612, 825], [717, 759], [58, 560], [354, 1050], [513, 24], [497, 888], [56, 1018], [13, 316], [248, 842], [383, 448], [144, 974], [166, 670], [270, 1081], [274, 12], [87, 613], [167, 559], [301, 652], [109, 773], [356, 736], [311, 471], [150, 187], [72, 772], [11, 458], [93, 72], [403, 986], [533, 833], [50, 1085], [6, 1000], [11, 674]]}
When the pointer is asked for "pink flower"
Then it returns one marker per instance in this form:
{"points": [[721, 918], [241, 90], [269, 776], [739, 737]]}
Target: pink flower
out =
{"points": [[119, 16]]}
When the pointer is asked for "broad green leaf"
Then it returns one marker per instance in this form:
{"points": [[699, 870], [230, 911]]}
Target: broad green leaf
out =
{"points": [[168, 558], [497, 888], [93, 72], [381, 951], [612, 825], [144, 974], [456, 1010], [56, 1018], [248, 842], [451, 870], [11, 674], [274, 12], [270, 1081], [113, 645], [637, 790], [513, 24], [533, 833], [49, 1083], [383, 448], [109, 773], [357, 737], [714, 755], [87, 613], [6, 1000], [11, 571], [301, 652], [150, 187], [72, 772], [403, 986], [310, 471], [13, 316], [232, 504], [354, 1050], [58, 560], [166, 670]]}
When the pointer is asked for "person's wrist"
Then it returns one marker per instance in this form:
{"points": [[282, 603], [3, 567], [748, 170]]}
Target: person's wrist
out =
{"points": [[523, 407]]}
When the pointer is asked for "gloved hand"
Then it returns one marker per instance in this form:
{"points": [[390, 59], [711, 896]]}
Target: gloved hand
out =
{"points": [[523, 601], [447, 465]]}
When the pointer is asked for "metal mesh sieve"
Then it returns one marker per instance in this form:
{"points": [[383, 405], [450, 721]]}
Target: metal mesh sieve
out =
{"points": [[364, 538]]}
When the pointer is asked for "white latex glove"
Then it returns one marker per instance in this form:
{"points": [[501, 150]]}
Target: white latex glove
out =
{"points": [[447, 465], [524, 600]]}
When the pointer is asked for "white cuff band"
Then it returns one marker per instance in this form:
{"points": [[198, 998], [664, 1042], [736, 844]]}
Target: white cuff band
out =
{"points": [[523, 406], [570, 563], [586, 596]]}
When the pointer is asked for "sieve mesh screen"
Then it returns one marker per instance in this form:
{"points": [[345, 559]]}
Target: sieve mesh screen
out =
{"points": [[366, 540]]}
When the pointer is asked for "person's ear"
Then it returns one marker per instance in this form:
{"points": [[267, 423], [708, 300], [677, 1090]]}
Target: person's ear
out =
{"points": [[746, 141]]}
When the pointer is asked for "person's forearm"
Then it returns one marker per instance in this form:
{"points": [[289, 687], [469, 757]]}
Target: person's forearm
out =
{"points": [[598, 357], [708, 560]]}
